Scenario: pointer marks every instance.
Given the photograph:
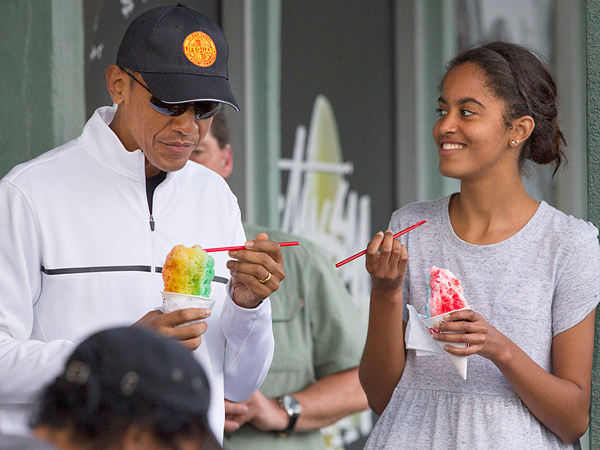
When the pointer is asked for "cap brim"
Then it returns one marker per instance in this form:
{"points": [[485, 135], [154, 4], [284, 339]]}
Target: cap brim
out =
{"points": [[183, 87]]}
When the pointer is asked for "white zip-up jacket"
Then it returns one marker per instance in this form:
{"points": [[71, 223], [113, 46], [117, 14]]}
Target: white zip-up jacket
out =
{"points": [[78, 254]]}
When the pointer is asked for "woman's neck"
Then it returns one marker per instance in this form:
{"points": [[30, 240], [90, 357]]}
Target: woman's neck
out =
{"points": [[487, 213]]}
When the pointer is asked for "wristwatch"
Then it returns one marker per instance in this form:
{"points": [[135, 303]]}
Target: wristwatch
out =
{"points": [[293, 408]]}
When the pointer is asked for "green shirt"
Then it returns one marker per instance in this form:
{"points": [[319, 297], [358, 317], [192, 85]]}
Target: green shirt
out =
{"points": [[318, 332]]}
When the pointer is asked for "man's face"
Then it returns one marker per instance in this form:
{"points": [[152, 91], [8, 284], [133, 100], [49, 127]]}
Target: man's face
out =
{"points": [[167, 141], [209, 154]]}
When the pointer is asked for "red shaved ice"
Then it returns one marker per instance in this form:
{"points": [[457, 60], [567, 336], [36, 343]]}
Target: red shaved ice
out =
{"points": [[444, 292]]}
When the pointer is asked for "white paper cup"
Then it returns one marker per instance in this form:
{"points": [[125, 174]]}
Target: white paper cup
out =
{"points": [[439, 318], [459, 362], [173, 301]]}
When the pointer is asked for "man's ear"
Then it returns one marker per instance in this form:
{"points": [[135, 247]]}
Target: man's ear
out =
{"points": [[116, 82], [227, 160]]}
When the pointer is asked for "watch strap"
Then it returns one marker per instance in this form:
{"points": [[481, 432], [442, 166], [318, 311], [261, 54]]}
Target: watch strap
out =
{"points": [[293, 415], [291, 423]]}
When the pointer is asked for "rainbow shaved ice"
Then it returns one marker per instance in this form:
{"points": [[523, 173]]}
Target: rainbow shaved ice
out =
{"points": [[444, 293], [188, 270]]}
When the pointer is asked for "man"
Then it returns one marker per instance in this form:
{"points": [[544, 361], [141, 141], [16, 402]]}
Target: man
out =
{"points": [[87, 226], [319, 337]]}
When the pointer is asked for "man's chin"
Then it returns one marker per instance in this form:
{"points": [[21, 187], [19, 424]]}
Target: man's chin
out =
{"points": [[171, 166]]}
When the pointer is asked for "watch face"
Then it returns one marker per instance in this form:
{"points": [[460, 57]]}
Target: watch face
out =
{"points": [[291, 404]]}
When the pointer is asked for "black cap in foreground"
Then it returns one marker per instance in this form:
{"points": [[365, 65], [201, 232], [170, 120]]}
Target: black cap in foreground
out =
{"points": [[181, 54], [141, 364]]}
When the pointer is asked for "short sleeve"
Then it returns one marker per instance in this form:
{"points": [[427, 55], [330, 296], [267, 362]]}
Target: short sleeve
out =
{"points": [[577, 290]]}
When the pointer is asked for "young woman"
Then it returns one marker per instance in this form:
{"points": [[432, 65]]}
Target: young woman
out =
{"points": [[530, 273]]}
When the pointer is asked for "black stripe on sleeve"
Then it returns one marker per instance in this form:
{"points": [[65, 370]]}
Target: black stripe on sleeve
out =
{"points": [[98, 269], [71, 270]]}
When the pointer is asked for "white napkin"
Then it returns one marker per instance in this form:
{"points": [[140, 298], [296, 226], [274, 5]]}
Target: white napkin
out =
{"points": [[420, 339]]}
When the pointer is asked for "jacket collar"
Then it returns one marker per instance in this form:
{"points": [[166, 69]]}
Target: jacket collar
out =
{"points": [[104, 146]]}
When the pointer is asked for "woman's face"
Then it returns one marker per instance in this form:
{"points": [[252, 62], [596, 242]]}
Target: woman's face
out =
{"points": [[472, 138]]}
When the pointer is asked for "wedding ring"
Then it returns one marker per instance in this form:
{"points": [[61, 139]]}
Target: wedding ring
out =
{"points": [[263, 281]]}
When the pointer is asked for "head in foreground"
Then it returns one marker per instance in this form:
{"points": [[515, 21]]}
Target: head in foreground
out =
{"points": [[127, 388]]}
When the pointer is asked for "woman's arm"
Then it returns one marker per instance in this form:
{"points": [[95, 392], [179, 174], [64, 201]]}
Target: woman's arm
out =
{"points": [[384, 356], [561, 399]]}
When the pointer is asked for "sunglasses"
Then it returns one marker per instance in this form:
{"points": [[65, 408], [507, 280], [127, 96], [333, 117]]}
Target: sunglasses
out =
{"points": [[202, 109]]}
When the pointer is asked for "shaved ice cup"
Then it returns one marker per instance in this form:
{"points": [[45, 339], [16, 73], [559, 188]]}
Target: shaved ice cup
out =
{"points": [[459, 362], [173, 301]]}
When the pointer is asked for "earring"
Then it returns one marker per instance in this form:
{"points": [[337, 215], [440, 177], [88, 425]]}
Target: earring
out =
{"points": [[512, 142]]}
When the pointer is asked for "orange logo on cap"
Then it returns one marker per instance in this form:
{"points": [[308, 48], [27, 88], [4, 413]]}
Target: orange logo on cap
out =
{"points": [[200, 49]]}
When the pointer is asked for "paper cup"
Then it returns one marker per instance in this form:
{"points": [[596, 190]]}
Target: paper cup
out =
{"points": [[435, 319], [459, 362], [173, 301]]}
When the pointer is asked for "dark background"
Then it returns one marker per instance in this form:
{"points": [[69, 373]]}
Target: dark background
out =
{"points": [[344, 50]]}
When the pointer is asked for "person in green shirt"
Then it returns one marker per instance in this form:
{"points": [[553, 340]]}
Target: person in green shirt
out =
{"points": [[319, 337]]}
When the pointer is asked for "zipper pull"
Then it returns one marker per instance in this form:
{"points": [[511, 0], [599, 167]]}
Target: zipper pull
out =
{"points": [[151, 222]]}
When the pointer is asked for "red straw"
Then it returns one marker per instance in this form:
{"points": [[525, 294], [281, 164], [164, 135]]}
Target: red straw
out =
{"points": [[398, 234], [241, 247]]}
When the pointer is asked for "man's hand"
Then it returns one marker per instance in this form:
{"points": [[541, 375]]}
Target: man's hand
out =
{"points": [[172, 325], [256, 271], [261, 412]]}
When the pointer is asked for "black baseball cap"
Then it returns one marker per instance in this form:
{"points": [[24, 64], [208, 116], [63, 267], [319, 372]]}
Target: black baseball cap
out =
{"points": [[181, 54], [139, 363]]}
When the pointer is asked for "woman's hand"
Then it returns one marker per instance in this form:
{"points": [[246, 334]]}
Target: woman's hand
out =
{"points": [[386, 265], [467, 326]]}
